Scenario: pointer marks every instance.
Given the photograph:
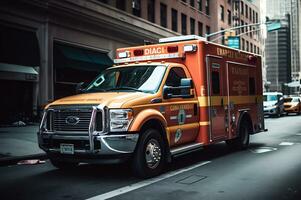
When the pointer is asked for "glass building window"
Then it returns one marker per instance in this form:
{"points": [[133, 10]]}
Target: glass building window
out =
{"points": [[200, 28], [136, 7], [192, 3], [207, 7], [246, 8], [184, 24], [174, 20], [163, 15], [151, 10], [241, 7], [200, 5], [229, 17], [120, 4], [250, 14], [208, 30], [222, 13], [192, 26]]}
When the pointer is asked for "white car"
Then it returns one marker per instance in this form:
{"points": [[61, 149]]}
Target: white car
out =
{"points": [[273, 103]]}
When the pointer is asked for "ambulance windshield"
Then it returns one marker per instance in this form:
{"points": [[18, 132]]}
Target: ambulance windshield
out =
{"points": [[132, 78]]}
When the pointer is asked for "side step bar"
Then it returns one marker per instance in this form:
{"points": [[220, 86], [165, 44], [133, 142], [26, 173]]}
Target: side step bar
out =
{"points": [[178, 151]]}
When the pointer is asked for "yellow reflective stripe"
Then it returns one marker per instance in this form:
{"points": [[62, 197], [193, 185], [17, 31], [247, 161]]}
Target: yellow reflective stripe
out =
{"points": [[204, 123], [216, 100]]}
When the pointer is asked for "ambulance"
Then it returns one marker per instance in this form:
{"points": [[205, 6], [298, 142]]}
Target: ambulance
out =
{"points": [[158, 102]]}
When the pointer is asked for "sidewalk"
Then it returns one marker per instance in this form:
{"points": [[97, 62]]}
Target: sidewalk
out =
{"points": [[19, 143]]}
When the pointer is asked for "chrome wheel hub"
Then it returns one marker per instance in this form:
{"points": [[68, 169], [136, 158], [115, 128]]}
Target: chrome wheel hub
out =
{"points": [[152, 154]]}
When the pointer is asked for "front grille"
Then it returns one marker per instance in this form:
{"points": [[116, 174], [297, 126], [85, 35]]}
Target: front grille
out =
{"points": [[287, 106], [61, 123], [72, 119]]}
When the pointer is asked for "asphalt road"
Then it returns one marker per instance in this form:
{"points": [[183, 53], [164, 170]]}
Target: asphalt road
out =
{"points": [[269, 169]]}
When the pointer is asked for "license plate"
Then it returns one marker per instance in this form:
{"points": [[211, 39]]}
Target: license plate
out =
{"points": [[67, 148]]}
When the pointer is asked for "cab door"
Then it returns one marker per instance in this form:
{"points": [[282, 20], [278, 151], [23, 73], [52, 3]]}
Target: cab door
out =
{"points": [[218, 108], [181, 113]]}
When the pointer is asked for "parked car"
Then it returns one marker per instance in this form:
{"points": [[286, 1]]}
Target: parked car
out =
{"points": [[292, 105], [273, 103]]}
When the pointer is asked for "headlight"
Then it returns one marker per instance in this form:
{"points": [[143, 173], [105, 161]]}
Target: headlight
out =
{"points": [[120, 119]]}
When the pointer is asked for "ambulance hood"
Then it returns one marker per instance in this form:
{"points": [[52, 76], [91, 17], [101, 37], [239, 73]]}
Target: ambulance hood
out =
{"points": [[109, 99]]}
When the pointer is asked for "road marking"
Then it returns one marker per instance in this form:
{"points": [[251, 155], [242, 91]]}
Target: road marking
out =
{"points": [[263, 149], [144, 183], [286, 143]]}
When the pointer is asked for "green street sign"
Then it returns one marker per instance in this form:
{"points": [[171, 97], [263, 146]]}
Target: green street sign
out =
{"points": [[273, 26], [234, 42]]}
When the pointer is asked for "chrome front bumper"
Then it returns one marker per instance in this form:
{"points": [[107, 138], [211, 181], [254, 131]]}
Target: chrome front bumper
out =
{"points": [[92, 142], [108, 144]]}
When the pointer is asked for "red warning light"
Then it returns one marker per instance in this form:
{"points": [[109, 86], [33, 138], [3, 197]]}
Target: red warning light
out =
{"points": [[138, 52], [172, 49]]}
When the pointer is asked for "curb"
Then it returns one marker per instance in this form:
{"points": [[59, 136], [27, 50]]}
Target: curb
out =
{"points": [[14, 160]]}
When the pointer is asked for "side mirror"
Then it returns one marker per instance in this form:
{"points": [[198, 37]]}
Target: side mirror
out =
{"points": [[79, 87], [186, 85]]}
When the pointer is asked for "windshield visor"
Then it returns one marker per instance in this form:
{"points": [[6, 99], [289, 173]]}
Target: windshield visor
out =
{"points": [[132, 78]]}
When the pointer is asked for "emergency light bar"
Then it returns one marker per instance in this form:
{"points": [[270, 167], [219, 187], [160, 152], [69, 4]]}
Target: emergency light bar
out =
{"points": [[146, 58], [181, 38]]}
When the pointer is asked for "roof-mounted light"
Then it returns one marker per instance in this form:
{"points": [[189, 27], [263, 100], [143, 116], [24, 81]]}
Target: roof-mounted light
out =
{"points": [[138, 52], [124, 54], [172, 49], [190, 48]]}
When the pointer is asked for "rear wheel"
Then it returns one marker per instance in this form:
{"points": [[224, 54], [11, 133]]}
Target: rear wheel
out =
{"points": [[243, 139], [63, 165], [149, 158]]}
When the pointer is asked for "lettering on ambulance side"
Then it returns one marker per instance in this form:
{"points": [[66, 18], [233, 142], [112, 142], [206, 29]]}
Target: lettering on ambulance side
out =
{"points": [[181, 116]]}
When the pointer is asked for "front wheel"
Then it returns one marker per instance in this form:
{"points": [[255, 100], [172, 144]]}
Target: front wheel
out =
{"points": [[149, 158], [243, 139]]}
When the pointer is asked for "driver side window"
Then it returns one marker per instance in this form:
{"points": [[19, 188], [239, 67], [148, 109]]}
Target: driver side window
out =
{"points": [[174, 78]]}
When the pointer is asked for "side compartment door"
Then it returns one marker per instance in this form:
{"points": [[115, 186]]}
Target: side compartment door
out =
{"points": [[217, 85]]}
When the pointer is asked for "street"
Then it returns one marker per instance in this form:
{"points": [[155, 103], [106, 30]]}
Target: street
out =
{"points": [[269, 169]]}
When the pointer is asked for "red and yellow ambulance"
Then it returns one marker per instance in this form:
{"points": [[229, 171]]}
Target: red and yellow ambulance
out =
{"points": [[158, 101]]}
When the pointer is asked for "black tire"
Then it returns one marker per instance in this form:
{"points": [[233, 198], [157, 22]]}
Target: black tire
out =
{"points": [[243, 139], [63, 165], [150, 147]]}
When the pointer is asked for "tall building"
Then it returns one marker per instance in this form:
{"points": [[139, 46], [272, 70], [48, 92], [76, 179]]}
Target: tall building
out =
{"points": [[277, 9], [278, 53]]}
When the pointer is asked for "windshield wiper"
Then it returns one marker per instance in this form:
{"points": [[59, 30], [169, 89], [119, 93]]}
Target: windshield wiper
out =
{"points": [[125, 88]]}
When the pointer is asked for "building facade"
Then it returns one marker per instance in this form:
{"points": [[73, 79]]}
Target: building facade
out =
{"points": [[48, 47]]}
